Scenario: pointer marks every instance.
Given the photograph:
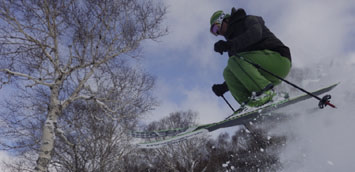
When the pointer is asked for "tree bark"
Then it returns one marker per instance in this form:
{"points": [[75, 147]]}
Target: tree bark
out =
{"points": [[48, 135]]}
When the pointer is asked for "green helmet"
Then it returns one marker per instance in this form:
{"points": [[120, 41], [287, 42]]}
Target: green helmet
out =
{"points": [[218, 17]]}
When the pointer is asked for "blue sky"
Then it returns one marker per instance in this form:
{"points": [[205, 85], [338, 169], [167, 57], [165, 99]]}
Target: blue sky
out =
{"points": [[186, 66]]}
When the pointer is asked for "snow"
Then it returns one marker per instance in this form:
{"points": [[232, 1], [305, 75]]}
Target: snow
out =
{"points": [[321, 140], [226, 164], [330, 163], [246, 130]]}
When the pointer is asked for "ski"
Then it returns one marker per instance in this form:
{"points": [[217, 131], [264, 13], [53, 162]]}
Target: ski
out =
{"points": [[234, 120], [158, 133], [176, 139]]}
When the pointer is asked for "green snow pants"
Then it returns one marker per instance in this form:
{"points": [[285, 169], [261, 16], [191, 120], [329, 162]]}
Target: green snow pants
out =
{"points": [[243, 78]]}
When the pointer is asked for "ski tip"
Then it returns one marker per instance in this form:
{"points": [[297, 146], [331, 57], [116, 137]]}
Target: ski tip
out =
{"points": [[173, 140]]}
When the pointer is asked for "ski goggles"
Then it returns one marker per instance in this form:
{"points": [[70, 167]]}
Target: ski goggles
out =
{"points": [[215, 29]]}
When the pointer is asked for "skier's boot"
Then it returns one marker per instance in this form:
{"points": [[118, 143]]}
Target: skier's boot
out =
{"points": [[262, 99], [265, 96]]}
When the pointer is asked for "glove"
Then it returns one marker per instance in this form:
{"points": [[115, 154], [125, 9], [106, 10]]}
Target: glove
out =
{"points": [[222, 46], [220, 89]]}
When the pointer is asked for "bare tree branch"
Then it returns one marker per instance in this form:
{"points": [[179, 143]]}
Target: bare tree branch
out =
{"points": [[37, 81], [54, 51]]}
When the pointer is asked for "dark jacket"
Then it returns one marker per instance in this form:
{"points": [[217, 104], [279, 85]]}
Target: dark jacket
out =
{"points": [[248, 33]]}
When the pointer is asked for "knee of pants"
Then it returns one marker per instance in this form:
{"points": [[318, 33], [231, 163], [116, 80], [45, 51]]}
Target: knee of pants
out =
{"points": [[226, 73], [233, 61]]}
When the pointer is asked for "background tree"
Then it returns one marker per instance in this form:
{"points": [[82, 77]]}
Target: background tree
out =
{"points": [[58, 54], [98, 141], [251, 149], [184, 156]]}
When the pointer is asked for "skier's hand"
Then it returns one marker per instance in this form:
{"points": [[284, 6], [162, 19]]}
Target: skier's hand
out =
{"points": [[220, 89], [222, 46]]}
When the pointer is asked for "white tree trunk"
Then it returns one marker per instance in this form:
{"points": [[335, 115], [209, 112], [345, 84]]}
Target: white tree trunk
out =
{"points": [[48, 135]]}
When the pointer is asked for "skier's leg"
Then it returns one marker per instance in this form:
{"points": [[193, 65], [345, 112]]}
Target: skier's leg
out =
{"points": [[271, 61], [253, 79], [256, 80], [237, 89], [247, 74]]}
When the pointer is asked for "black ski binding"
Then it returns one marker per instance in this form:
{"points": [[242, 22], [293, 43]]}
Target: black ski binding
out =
{"points": [[324, 101]]}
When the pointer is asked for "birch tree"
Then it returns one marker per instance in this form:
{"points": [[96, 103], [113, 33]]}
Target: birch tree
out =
{"points": [[61, 52], [96, 141]]}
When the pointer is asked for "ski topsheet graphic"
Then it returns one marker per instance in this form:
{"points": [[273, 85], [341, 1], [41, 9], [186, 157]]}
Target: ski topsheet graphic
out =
{"points": [[180, 134]]}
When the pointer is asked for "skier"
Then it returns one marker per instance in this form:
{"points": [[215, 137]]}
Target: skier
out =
{"points": [[248, 37]]}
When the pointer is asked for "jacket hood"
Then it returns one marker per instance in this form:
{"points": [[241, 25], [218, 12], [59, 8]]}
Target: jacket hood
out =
{"points": [[237, 15]]}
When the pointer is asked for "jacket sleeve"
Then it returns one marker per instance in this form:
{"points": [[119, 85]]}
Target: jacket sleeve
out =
{"points": [[252, 34]]}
